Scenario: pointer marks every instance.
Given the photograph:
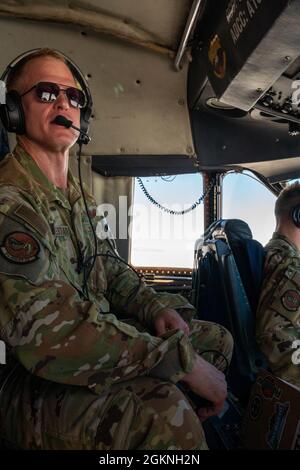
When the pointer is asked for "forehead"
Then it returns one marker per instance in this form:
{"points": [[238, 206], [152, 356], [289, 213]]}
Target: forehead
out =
{"points": [[46, 69]]}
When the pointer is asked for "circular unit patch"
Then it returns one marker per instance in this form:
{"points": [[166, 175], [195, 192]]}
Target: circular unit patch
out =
{"points": [[291, 300], [20, 247]]}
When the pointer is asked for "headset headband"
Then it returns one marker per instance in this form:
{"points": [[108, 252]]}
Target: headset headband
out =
{"points": [[296, 215]]}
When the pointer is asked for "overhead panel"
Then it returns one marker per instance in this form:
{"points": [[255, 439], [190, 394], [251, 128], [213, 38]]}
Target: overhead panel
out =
{"points": [[249, 46]]}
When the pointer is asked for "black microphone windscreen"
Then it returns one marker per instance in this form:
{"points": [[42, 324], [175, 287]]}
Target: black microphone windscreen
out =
{"points": [[62, 121]]}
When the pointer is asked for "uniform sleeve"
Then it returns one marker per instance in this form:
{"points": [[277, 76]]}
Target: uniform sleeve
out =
{"points": [[278, 320], [128, 294], [58, 336]]}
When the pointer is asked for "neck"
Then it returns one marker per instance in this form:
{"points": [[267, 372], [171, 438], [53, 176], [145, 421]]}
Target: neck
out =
{"points": [[53, 163], [291, 232]]}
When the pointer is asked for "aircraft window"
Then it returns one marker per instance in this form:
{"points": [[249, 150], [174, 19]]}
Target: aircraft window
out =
{"points": [[160, 239], [248, 199]]}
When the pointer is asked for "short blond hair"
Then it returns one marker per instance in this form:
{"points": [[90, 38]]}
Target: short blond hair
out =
{"points": [[16, 73]]}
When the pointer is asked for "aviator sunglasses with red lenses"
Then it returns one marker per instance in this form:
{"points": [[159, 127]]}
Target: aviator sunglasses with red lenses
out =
{"points": [[48, 92]]}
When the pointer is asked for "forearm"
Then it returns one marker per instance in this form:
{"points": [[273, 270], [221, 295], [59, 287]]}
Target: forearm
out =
{"points": [[130, 295], [58, 337]]}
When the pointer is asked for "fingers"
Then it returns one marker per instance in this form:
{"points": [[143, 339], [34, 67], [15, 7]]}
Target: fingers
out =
{"points": [[185, 328], [178, 324], [214, 410], [204, 413], [218, 407], [220, 392], [160, 326]]}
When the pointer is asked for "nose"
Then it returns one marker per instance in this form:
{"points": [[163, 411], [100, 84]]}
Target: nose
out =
{"points": [[62, 101]]}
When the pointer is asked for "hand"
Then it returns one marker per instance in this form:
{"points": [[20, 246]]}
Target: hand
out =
{"points": [[169, 319], [209, 383]]}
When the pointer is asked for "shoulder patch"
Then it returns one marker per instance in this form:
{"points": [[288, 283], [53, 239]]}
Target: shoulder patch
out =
{"points": [[291, 300], [22, 253], [20, 248]]}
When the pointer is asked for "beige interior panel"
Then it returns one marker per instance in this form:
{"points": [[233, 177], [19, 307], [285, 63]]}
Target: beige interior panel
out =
{"points": [[115, 196], [159, 22], [139, 98], [163, 19], [112, 195]]}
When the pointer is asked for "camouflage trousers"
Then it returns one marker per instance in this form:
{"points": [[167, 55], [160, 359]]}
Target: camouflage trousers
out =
{"points": [[144, 413]]}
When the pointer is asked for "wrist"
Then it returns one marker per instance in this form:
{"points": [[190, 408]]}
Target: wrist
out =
{"points": [[189, 378]]}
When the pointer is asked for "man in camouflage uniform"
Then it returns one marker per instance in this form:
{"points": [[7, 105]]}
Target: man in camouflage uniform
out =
{"points": [[81, 378], [278, 316]]}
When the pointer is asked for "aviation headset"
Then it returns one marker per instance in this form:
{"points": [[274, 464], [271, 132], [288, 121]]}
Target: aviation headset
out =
{"points": [[296, 215], [12, 113]]}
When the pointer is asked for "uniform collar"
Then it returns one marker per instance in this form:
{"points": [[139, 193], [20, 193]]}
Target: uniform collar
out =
{"points": [[279, 236], [52, 192]]}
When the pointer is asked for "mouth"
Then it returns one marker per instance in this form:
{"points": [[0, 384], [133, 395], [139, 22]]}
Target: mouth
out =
{"points": [[59, 117]]}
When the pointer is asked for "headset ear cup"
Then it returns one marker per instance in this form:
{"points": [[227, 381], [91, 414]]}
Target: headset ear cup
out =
{"points": [[4, 115], [296, 215], [12, 114]]}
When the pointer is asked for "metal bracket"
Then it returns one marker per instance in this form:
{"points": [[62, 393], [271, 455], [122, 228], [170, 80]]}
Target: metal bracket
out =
{"points": [[193, 16]]}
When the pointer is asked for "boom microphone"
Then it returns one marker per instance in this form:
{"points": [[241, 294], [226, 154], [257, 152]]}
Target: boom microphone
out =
{"points": [[64, 122]]}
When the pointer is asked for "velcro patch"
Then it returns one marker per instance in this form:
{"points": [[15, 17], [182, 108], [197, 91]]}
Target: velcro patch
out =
{"points": [[291, 300], [21, 252], [20, 248]]}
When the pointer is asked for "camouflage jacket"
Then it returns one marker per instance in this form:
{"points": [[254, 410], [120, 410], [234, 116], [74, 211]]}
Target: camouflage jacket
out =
{"points": [[47, 322], [278, 315]]}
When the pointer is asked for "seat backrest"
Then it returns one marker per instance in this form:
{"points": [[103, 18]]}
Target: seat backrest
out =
{"points": [[226, 285]]}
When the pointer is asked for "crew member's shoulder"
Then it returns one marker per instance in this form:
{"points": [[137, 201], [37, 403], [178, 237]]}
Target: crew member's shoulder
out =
{"points": [[10, 198], [18, 206], [281, 255], [8, 168], [14, 175], [16, 184], [282, 247]]}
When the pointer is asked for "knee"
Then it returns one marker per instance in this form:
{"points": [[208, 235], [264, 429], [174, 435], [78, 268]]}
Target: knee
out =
{"points": [[168, 419], [214, 342]]}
